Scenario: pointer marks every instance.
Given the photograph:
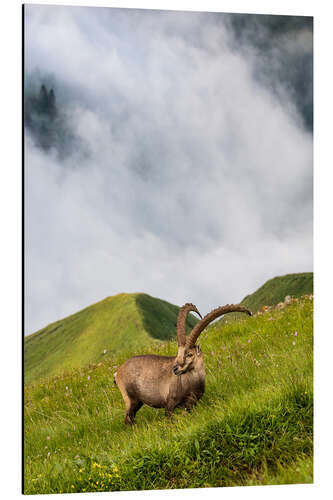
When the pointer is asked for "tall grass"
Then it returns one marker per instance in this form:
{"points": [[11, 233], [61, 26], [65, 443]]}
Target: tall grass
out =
{"points": [[252, 426]]}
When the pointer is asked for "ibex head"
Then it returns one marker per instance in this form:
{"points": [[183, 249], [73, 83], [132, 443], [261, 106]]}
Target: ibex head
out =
{"points": [[192, 359], [189, 354]]}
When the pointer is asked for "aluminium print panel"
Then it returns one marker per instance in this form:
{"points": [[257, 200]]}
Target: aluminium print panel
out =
{"points": [[168, 173]]}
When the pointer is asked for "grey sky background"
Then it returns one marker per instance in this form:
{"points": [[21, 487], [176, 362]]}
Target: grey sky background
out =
{"points": [[178, 160]]}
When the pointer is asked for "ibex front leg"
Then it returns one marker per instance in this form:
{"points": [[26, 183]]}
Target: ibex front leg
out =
{"points": [[169, 409]]}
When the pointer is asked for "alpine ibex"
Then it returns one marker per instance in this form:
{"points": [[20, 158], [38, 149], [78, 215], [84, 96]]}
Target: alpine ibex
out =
{"points": [[169, 381]]}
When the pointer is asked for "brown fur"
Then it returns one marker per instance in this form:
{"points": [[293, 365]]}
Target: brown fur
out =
{"points": [[151, 380]]}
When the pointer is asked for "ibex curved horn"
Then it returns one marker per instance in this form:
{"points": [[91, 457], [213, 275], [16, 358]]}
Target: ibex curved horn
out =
{"points": [[181, 322], [215, 313]]}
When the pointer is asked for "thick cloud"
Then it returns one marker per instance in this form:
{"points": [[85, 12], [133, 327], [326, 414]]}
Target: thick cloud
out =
{"points": [[174, 169], [284, 46]]}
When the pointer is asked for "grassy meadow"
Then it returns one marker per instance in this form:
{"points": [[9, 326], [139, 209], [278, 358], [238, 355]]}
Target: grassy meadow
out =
{"points": [[253, 426]]}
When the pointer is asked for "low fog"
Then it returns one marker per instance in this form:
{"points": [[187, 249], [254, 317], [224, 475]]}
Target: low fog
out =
{"points": [[165, 152]]}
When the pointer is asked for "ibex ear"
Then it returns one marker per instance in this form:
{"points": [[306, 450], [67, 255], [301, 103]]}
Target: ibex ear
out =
{"points": [[198, 348]]}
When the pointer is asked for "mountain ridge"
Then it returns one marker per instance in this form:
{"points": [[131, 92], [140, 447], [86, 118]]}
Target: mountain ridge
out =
{"points": [[130, 322], [276, 289], [126, 321]]}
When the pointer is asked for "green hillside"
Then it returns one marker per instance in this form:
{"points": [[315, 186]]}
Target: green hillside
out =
{"points": [[121, 322], [253, 425], [275, 290], [129, 322]]}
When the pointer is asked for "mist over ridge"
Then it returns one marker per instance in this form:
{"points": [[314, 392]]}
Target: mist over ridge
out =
{"points": [[176, 158]]}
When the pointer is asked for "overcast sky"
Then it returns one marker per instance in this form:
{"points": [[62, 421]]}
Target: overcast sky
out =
{"points": [[174, 156]]}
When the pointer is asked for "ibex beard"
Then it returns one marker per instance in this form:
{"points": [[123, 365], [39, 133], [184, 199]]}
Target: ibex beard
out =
{"points": [[169, 381]]}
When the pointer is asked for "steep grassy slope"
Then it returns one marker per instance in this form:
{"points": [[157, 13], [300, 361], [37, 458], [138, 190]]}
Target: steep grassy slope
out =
{"points": [[124, 321], [276, 289], [273, 292], [252, 426], [159, 318]]}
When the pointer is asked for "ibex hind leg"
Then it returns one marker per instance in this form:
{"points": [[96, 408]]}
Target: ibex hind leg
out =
{"points": [[131, 411], [131, 405]]}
